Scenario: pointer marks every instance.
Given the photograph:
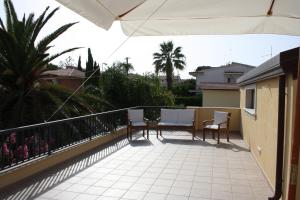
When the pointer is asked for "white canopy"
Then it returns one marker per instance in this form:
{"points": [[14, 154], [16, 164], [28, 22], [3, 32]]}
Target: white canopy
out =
{"points": [[193, 17]]}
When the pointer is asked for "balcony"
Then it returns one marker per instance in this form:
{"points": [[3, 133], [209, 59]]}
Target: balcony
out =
{"points": [[171, 167]]}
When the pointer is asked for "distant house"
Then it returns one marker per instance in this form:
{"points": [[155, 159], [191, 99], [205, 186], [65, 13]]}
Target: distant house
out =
{"points": [[218, 84], [69, 78], [163, 80]]}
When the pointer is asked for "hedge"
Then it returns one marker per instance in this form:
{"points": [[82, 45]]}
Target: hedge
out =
{"points": [[189, 101]]}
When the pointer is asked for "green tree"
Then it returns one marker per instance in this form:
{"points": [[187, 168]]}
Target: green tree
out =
{"points": [[183, 88], [123, 91], [92, 71], [96, 74], [167, 59], [127, 66], [23, 60], [89, 69], [79, 64], [124, 67]]}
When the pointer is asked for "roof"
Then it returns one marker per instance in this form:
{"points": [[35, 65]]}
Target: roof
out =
{"points": [[74, 73], [228, 69], [278, 65], [218, 86], [202, 17]]}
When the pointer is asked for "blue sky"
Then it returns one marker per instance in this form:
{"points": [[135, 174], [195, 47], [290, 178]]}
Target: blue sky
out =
{"points": [[199, 50]]}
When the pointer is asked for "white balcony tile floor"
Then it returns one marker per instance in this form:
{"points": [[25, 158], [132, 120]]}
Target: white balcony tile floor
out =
{"points": [[170, 168]]}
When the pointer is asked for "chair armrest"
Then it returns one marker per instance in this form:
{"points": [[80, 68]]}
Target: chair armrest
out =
{"points": [[145, 119], [158, 119], [129, 122], [207, 121], [221, 124]]}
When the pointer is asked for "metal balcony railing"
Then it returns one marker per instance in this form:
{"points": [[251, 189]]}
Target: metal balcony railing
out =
{"points": [[24, 144]]}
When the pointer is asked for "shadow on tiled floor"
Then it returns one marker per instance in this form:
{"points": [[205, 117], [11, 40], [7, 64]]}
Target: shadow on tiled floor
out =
{"points": [[170, 167], [45, 181]]}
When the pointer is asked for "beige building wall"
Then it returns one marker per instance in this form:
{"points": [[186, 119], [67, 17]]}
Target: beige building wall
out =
{"points": [[221, 98], [260, 130]]}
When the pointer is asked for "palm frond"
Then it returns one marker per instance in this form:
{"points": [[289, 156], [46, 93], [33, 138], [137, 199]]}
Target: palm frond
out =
{"points": [[42, 45], [2, 25], [59, 54], [9, 23]]}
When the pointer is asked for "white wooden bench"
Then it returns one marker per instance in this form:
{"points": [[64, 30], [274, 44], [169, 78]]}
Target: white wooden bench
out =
{"points": [[177, 119]]}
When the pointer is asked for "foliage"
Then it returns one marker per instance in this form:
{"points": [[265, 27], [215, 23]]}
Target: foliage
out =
{"points": [[146, 91], [189, 101], [124, 67], [23, 59], [79, 64], [183, 88], [167, 59], [92, 71], [51, 66], [96, 75], [37, 106], [67, 63], [89, 68], [123, 91]]}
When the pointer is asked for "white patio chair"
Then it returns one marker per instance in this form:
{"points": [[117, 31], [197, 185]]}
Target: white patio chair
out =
{"points": [[136, 120], [219, 123]]}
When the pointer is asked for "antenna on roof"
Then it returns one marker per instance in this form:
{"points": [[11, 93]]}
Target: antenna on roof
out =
{"points": [[270, 54]]}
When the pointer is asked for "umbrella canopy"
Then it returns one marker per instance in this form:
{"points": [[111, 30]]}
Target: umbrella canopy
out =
{"points": [[192, 17]]}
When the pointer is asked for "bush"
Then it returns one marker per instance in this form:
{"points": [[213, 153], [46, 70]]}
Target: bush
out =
{"points": [[122, 91], [182, 89], [189, 101]]}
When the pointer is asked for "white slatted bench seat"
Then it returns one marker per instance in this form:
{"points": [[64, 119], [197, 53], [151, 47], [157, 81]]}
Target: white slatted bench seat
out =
{"points": [[177, 119]]}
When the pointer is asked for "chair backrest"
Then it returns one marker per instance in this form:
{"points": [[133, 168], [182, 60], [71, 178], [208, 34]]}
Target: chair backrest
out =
{"points": [[168, 115], [136, 115], [185, 116], [220, 117]]}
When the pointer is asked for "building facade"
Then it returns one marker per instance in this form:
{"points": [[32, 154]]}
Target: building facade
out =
{"points": [[218, 84], [268, 99]]}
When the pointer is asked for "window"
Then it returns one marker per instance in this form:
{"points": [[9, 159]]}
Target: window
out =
{"points": [[250, 104], [250, 98], [231, 80]]}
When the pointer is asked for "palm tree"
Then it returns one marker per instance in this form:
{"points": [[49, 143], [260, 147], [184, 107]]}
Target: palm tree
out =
{"points": [[23, 59], [167, 59], [125, 67]]}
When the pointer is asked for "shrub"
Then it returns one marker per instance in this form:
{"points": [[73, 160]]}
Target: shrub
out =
{"points": [[189, 101]]}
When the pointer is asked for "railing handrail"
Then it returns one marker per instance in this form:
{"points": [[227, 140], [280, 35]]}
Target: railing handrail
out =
{"points": [[22, 128]]}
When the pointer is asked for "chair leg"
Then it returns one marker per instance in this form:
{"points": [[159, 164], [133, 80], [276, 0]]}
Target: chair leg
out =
{"points": [[203, 132], [160, 132], [131, 133], [157, 129], [218, 136], [143, 132], [127, 132], [213, 134], [147, 132], [194, 134], [227, 136]]}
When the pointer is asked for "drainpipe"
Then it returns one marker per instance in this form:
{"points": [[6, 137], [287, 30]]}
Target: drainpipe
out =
{"points": [[280, 139], [296, 142]]}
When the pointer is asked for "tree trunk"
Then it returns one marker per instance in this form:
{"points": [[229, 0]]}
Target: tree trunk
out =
{"points": [[169, 74]]}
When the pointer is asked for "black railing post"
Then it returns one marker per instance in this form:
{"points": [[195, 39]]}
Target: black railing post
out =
{"points": [[49, 140]]}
